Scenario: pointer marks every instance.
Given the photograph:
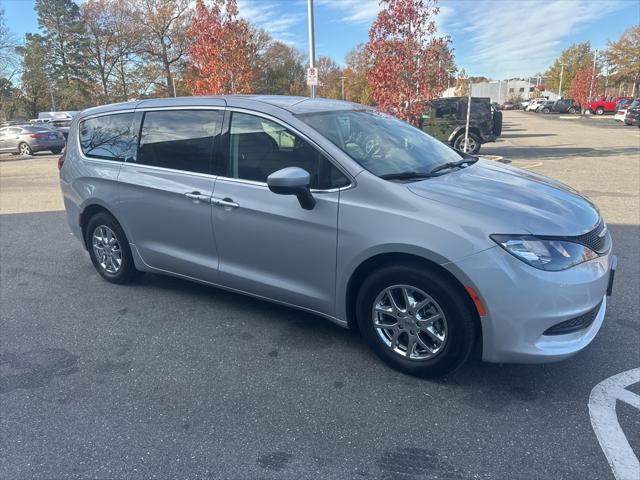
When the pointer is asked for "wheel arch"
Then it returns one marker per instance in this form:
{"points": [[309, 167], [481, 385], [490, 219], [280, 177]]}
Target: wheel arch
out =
{"points": [[382, 260], [460, 131], [87, 213]]}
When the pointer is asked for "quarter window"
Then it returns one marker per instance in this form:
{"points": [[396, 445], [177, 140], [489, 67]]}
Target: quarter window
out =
{"points": [[258, 147], [108, 137], [179, 139]]}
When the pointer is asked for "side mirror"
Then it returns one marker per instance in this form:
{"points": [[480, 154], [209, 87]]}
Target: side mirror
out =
{"points": [[293, 181]]}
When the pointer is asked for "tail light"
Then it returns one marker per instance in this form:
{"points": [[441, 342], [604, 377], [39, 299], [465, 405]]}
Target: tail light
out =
{"points": [[38, 135], [61, 161]]}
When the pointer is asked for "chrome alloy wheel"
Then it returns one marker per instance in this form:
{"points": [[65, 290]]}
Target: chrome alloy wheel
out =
{"points": [[24, 149], [471, 144], [410, 322], [107, 249]]}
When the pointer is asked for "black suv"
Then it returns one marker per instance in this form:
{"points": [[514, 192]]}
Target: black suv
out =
{"points": [[565, 105], [445, 119]]}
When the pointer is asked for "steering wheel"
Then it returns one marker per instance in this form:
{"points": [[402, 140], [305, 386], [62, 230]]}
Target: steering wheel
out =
{"points": [[371, 146]]}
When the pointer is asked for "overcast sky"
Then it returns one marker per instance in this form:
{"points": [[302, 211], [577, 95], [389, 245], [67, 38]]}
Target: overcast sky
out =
{"points": [[494, 38]]}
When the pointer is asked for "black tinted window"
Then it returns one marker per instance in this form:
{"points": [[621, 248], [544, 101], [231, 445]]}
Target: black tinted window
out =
{"points": [[258, 147], [108, 137], [179, 139], [444, 109]]}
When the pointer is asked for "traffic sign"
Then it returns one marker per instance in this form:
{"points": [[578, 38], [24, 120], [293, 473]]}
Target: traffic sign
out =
{"points": [[312, 76]]}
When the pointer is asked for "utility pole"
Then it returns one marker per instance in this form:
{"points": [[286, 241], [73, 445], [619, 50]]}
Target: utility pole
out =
{"points": [[561, 73], [342, 80], [595, 58], [466, 129], [53, 100], [312, 49]]}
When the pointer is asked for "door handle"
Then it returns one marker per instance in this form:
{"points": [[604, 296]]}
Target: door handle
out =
{"points": [[224, 202], [197, 197]]}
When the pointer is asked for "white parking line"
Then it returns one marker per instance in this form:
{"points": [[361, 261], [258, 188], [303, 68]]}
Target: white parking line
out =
{"points": [[602, 411]]}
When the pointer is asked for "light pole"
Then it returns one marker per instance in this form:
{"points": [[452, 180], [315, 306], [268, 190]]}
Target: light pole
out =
{"points": [[595, 58], [312, 49], [342, 80], [561, 74]]}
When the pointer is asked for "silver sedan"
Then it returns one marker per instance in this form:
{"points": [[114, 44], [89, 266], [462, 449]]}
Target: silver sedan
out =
{"points": [[28, 139]]}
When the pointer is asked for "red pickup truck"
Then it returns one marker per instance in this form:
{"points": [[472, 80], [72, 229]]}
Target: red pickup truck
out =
{"points": [[603, 104]]}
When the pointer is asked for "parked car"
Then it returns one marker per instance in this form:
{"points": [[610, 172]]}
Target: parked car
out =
{"points": [[534, 103], [525, 103], [623, 106], [565, 105], [337, 209], [633, 116], [508, 106], [446, 120], [28, 139], [545, 107], [603, 104]]}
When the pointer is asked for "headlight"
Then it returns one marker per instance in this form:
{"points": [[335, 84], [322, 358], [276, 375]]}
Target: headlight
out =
{"points": [[545, 254]]}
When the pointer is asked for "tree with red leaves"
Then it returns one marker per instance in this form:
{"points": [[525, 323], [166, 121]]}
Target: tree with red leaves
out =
{"points": [[221, 59], [409, 63], [581, 83]]}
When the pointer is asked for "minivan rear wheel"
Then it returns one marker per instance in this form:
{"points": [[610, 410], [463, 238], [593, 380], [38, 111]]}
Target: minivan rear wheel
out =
{"points": [[109, 249], [416, 320]]}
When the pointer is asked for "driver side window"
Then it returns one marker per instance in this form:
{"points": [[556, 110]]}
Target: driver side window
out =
{"points": [[258, 147]]}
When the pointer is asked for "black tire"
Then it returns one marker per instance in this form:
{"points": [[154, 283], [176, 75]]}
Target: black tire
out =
{"points": [[497, 124], [600, 111], [24, 149], [458, 143], [572, 110], [457, 310], [56, 151], [546, 111], [126, 272]]}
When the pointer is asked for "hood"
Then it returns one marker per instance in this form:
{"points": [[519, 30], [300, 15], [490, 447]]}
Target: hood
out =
{"points": [[511, 199]]}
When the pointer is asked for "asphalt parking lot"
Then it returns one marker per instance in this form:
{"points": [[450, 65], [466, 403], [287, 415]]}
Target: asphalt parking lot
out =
{"points": [[169, 379]]}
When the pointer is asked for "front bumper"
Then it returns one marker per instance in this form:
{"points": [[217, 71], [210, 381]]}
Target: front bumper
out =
{"points": [[522, 302]]}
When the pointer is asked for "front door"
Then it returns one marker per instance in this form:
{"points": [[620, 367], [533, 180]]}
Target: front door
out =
{"points": [[165, 197], [442, 120], [268, 244]]}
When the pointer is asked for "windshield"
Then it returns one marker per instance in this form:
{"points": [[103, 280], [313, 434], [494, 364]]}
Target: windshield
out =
{"points": [[381, 143]]}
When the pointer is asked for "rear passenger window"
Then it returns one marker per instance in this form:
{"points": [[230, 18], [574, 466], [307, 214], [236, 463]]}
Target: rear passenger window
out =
{"points": [[108, 137], [179, 139]]}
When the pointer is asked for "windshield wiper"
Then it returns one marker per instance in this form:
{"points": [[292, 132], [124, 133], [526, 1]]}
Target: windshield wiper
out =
{"points": [[459, 163], [405, 175], [417, 174]]}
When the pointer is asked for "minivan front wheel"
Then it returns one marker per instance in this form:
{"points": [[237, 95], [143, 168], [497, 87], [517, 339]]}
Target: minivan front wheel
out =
{"points": [[416, 320], [109, 249]]}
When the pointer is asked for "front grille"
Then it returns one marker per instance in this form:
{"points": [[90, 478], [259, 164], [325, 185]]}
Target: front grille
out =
{"points": [[574, 324], [597, 239]]}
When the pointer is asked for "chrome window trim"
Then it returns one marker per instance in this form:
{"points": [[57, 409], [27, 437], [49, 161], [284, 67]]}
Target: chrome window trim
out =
{"points": [[336, 164], [333, 161], [168, 170]]}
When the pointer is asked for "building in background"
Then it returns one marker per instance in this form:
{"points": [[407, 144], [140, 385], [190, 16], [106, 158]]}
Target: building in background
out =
{"points": [[501, 91]]}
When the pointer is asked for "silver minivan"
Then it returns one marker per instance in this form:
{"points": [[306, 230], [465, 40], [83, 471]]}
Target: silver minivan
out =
{"points": [[340, 210]]}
